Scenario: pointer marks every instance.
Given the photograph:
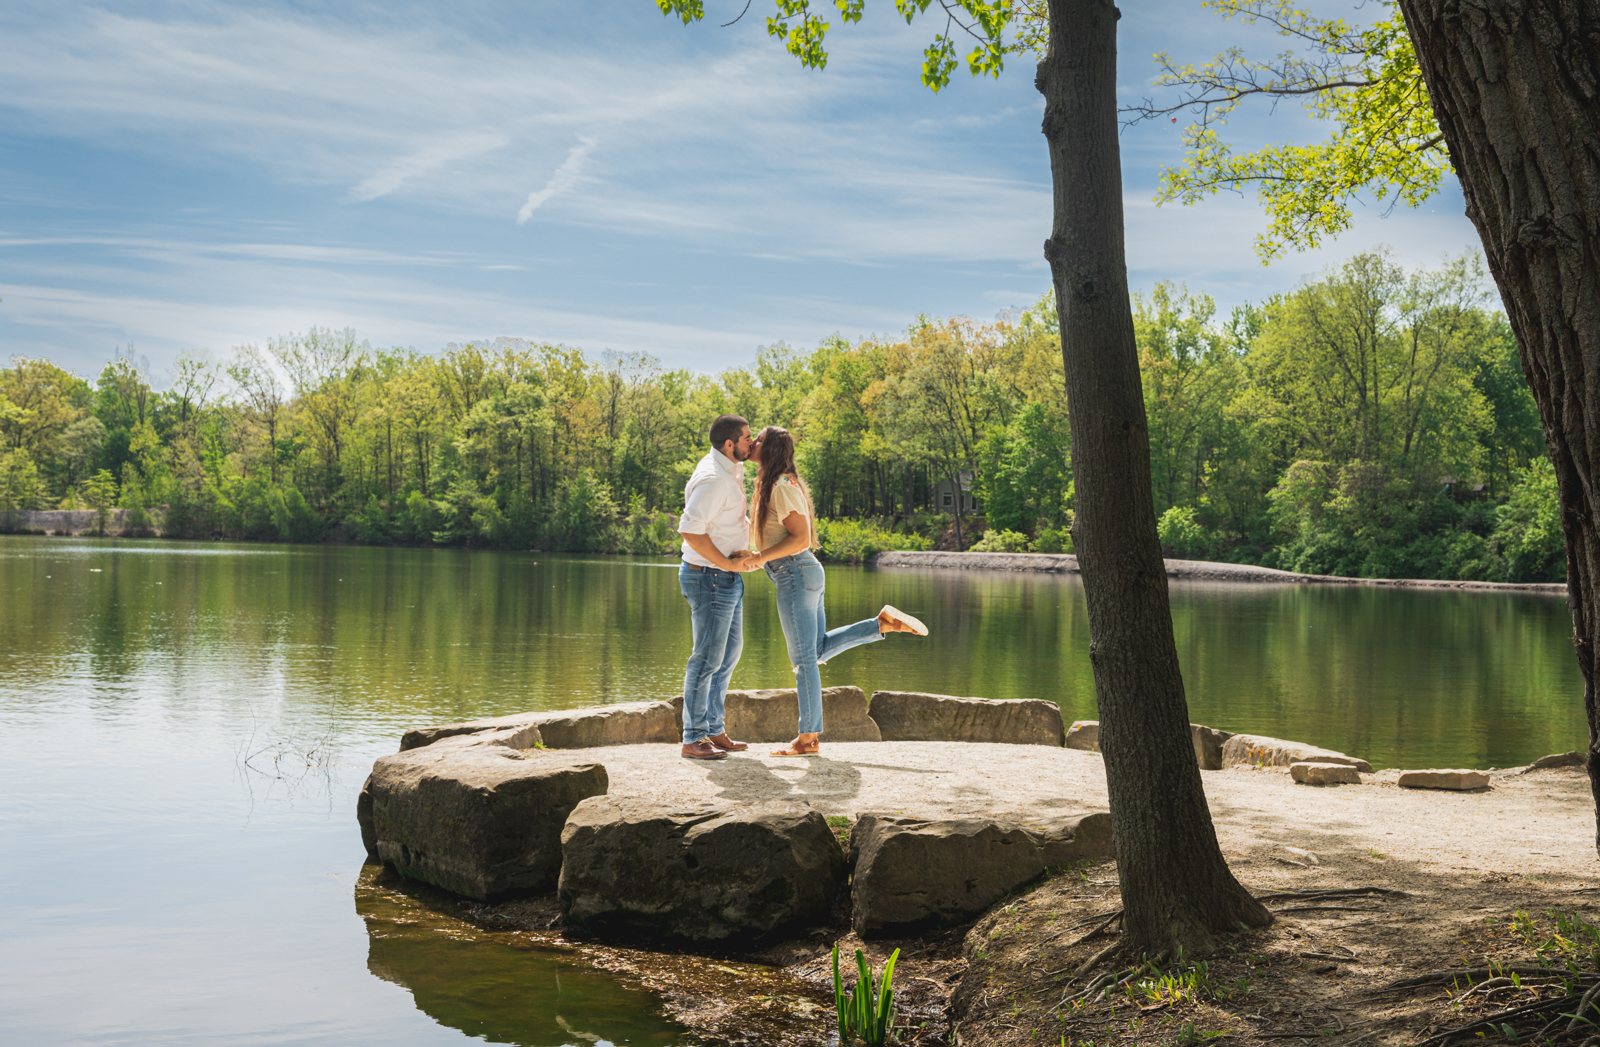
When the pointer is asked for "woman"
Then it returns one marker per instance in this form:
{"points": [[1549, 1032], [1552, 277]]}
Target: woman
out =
{"points": [[783, 535]]}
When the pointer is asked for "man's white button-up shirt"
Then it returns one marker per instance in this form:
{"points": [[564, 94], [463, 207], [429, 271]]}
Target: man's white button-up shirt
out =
{"points": [[713, 505]]}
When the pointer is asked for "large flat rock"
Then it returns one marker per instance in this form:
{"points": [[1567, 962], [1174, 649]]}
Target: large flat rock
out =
{"points": [[773, 715], [1453, 780], [626, 723], [1072, 836], [1307, 773], [913, 716], [912, 874], [475, 818], [1256, 750], [700, 873]]}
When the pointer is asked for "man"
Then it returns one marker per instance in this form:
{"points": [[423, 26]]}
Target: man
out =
{"points": [[716, 550]]}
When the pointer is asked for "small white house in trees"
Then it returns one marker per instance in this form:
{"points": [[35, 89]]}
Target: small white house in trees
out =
{"points": [[945, 493]]}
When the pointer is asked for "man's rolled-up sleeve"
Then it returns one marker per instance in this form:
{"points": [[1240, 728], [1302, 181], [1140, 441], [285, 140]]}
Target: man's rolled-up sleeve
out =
{"points": [[698, 505]]}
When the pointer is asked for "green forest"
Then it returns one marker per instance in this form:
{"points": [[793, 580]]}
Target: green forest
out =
{"points": [[1372, 422]]}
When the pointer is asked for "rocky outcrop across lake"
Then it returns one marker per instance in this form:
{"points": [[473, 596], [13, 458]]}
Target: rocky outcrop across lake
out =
{"points": [[1178, 570]]}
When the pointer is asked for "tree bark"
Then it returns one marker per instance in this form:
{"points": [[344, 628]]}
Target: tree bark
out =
{"points": [[1177, 890], [1514, 87]]}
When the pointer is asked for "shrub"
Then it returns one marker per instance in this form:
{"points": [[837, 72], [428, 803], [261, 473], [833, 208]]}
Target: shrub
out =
{"points": [[1528, 527], [1001, 542], [371, 525], [853, 541], [648, 533], [1052, 540], [293, 517], [583, 516], [1181, 534]]}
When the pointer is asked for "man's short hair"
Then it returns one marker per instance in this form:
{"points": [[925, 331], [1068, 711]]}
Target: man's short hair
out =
{"points": [[727, 427]]}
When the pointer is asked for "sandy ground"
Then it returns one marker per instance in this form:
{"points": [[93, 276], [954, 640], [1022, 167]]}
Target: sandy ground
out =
{"points": [[1541, 823]]}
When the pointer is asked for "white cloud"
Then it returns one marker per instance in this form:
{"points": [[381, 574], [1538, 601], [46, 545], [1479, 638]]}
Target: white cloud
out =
{"points": [[565, 179], [425, 161]]}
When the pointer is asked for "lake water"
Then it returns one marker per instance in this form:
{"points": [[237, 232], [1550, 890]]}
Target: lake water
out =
{"points": [[185, 727]]}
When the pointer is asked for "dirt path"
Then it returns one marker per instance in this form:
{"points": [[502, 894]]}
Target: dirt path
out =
{"points": [[1448, 890]]}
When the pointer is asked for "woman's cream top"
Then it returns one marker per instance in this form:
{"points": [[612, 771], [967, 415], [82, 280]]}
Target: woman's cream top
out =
{"points": [[788, 495]]}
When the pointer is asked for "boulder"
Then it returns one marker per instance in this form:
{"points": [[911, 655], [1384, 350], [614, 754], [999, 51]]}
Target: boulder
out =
{"points": [[475, 818], [774, 715], [623, 724], [1456, 780], [910, 716], [1316, 773], [1576, 758], [912, 874], [1072, 836], [704, 873], [1254, 750], [1208, 743], [1084, 734]]}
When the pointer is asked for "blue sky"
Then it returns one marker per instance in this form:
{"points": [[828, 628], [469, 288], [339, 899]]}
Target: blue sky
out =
{"points": [[193, 175]]}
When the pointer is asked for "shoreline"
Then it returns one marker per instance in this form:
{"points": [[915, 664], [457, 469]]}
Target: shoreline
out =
{"points": [[1181, 570], [1204, 571]]}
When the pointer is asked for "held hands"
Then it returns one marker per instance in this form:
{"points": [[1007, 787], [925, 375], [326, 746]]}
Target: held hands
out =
{"points": [[745, 560]]}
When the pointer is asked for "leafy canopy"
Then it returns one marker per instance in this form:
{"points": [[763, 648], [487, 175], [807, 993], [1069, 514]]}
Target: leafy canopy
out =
{"points": [[803, 31], [1364, 82]]}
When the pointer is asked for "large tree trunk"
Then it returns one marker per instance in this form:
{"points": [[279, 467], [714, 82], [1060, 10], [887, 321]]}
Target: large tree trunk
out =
{"points": [[1176, 888], [1514, 86]]}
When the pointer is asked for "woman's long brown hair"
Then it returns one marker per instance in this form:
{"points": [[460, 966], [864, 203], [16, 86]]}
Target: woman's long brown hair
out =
{"points": [[777, 459]]}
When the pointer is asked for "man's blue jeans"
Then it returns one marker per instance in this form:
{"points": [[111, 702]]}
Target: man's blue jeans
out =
{"points": [[716, 609], [799, 580]]}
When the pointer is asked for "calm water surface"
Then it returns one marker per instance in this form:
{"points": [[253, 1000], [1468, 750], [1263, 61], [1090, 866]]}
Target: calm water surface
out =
{"points": [[185, 727]]}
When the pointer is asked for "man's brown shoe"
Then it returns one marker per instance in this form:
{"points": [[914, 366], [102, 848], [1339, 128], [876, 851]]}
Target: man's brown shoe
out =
{"points": [[726, 744], [703, 750]]}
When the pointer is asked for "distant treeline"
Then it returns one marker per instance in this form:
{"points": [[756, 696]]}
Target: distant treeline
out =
{"points": [[1372, 422]]}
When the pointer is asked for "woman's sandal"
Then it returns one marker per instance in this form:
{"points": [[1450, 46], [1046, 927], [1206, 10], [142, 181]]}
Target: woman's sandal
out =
{"points": [[899, 621], [799, 748]]}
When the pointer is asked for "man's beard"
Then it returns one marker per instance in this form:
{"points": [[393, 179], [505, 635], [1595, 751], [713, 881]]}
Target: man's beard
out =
{"points": [[739, 454]]}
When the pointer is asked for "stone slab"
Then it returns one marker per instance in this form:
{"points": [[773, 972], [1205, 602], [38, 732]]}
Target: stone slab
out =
{"points": [[1324, 774], [1256, 750], [474, 817], [1576, 758], [1072, 836], [1208, 745], [773, 715], [914, 716], [700, 873], [627, 723], [911, 874], [1452, 779], [1083, 734]]}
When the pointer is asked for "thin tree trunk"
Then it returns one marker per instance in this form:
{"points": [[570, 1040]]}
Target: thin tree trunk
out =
{"points": [[1176, 888], [1514, 87]]}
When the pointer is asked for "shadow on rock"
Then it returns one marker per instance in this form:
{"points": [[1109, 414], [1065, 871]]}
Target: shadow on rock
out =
{"points": [[751, 780]]}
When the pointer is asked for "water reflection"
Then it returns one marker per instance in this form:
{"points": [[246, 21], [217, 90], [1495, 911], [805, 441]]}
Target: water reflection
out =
{"points": [[372, 641], [499, 987]]}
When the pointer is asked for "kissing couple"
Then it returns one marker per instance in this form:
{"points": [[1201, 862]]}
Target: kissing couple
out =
{"points": [[724, 538]]}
